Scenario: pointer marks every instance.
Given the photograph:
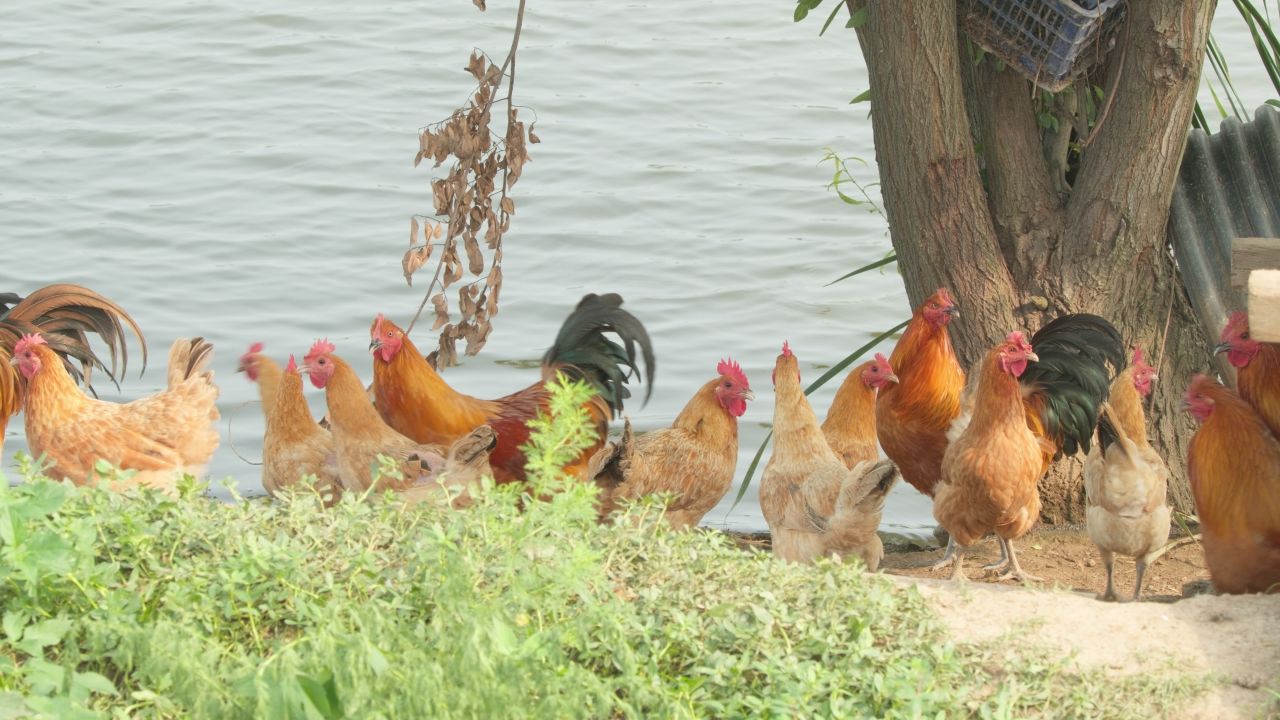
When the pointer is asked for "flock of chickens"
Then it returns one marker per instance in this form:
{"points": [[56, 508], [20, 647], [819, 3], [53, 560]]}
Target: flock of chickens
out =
{"points": [[977, 448]]}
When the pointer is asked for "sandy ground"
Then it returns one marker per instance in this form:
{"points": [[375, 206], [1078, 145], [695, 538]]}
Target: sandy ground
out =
{"points": [[1179, 627]]}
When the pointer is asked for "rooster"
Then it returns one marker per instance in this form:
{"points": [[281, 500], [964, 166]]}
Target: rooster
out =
{"points": [[416, 401], [64, 315], [293, 445], [1125, 481], [1258, 369], [1234, 466], [850, 427], [815, 506], [360, 436], [694, 458], [913, 414], [160, 436], [1033, 402]]}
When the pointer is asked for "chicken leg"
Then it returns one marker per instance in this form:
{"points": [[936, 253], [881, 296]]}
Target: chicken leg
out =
{"points": [[1109, 561], [957, 574], [1015, 571], [948, 556], [1003, 562]]}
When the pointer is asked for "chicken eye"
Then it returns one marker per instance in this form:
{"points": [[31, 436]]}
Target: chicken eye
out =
{"points": [[1244, 336], [388, 333]]}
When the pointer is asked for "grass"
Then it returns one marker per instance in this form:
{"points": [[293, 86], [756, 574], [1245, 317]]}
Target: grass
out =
{"points": [[142, 605]]}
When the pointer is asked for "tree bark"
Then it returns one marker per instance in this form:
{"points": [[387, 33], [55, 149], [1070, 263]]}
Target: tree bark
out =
{"points": [[1015, 252]]}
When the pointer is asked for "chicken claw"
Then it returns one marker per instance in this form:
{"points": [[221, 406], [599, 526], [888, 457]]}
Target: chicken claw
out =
{"points": [[1015, 571], [957, 551], [948, 557], [1003, 562]]}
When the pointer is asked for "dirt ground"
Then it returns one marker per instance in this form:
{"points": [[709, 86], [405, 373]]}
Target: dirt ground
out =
{"points": [[1179, 627]]}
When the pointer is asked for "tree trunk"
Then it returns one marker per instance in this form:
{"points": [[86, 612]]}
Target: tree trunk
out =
{"points": [[1015, 250]]}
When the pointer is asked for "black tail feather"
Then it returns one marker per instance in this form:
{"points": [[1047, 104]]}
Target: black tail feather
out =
{"points": [[1079, 356], [583, 350]]}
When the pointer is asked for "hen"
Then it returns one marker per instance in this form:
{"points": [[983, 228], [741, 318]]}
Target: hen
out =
{"points": [[1125, 481], [160, 436], [1033, 401], [426, 472], [694, 458], [64, 315], [850, 427], [814, 505], [1258, 369], [416, 401], [1234, 466], [294, 445]]}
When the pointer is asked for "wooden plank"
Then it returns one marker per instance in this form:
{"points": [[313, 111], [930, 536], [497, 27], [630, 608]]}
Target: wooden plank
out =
{"points": [[1264, 305], [1252, 253]]}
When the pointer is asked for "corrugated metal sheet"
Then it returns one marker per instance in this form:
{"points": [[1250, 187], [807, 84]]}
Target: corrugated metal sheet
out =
{"points": [[1228, 187]]}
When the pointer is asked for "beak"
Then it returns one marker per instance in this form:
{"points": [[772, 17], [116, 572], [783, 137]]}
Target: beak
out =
{"points": [[1033, 357], [953, 311], [747, 394], [891, 377], [1221, 348], [374, 344], [1184, 405], [1155, 376]]}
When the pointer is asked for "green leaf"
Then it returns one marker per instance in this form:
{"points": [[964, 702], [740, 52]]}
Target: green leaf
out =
{"points": [[323, 695], [93, 682], [377, 661], [14, 621], [835, 370], [40, 635], [863, 96], [858, 19], [892, 257], [834, 11], [803, 7]]}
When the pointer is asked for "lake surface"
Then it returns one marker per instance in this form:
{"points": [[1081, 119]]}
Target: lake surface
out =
{"points": [[246, 175]]}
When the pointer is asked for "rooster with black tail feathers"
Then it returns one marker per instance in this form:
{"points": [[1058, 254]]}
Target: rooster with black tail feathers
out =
{"points": [[1034, 402]]}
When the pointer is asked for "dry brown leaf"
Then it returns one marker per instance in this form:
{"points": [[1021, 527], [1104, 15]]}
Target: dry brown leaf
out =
{"points": [[533, 139], [441, 305], [466, 304], [476, 65], [494, 287], [475, 261], [508, 205], [413, 260], [448, 353], [413, 230], [452, 266]]}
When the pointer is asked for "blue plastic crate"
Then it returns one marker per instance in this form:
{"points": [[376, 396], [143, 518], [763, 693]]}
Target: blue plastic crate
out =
{"points": [[1049, 41]]}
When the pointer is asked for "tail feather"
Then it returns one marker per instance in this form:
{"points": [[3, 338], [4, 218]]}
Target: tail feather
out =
{"points": [[1079, 355], [871, 490], [583, 351], [188, 358]]}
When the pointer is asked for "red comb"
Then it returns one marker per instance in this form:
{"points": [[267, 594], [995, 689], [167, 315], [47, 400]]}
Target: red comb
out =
{"points": [[1237, 323], [292, 366], [320, 348], [255, 348], [882, 360], [1137, 356], [786, 349], [732, 370], [27, 342]]}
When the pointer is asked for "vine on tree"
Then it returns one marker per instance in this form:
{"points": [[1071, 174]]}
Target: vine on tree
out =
{"points": [[472, 204]]}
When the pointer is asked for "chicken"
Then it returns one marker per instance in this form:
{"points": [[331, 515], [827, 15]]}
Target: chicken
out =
{"points": [[1258, 369], [1033, 401], [850, 427], [426, 472], [694, 458], [293, 445], [416, 401], [64, 315], [159, 437], [815, 506], [912, 415], [1234, 466], [1125, 481]]}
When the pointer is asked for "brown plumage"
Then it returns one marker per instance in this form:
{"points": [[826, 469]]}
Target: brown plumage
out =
{"points": [[694, 458], [413, 398], [1257, 369], [1125, 480], [159, 436], [850, 427], [293, 444], [64, 315], [912, 415], [814, 505], [1032, 402], [1234, 465], [427, 472]]}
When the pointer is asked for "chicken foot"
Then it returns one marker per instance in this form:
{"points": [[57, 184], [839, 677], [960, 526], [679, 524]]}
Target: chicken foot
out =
{"points": [[1140, 567], [1003, 562], [947, 557], [957, 553], [1015, 571]]}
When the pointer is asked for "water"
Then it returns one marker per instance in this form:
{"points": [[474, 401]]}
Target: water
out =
{"points": [[246, 175]]}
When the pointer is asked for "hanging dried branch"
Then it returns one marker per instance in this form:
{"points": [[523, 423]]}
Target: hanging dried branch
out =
{"points": [[472, 202]]}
